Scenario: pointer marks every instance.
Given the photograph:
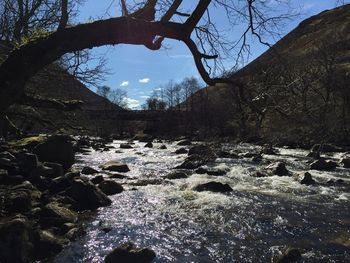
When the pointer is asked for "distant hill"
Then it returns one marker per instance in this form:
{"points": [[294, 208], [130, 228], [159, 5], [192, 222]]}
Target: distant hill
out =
{"points": [[311, 63], [64, 103]]}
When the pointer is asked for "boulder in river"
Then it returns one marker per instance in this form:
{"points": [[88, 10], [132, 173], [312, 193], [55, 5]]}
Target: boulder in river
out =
{"points": [[176, 175], [129, 253], [216, 187], [192, 162], [97, 179], [290, 255], [323, 165], [110, 187], [345, 162], [326, 147], [87, 195], [181, 151], [163, 147], [184, 143], [56, 149], [149, 145], [115, 167], [306, 178], [125, 146], [201, 150], [47, 244], [278, 168], [88, 170]]}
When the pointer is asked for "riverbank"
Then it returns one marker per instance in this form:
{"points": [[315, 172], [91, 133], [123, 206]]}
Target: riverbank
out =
{"points": [[210, 191]]}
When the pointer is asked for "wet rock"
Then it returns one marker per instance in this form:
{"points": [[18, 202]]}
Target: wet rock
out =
{"points": [[57, 169], [290, 255], [7, 155], [56, 149], [88, 170], [125, 146], [181, 151], [163, 147], [56, 214], [176, 175], [257, 158], [43, 171], [201, 150], [269, 150], [145, 182], [259, 174], [110, 187], [27, 162], [47, 244], [149, 145], [194, 161], [75, 233], [306, 178], [211, 171], [332, 182], [226, 154], [117, 176], [216, 187], [97, 179], [184, 143], [115, 167], [278, 168], [326, 148], [15, 240], [345, 162], [323, 165], [87, 195], [129, 253]]}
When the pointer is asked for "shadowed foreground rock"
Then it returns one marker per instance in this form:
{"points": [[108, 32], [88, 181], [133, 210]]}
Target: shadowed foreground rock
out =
{"points": [[115, 167], [290, 255], [323, 165], [216, 187], [56, 149], [128, 253]]}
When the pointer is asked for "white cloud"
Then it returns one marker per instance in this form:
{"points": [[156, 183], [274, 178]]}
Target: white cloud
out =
{"points": [[132, 103], [124, 83], [144, 97], [144, 80]]}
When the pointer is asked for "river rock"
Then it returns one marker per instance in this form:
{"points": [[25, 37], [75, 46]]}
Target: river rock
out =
{"points": [[216, 187], [110, 187], [115, 167], [88, 170], [201, 150], [326, 148], [194, 161], [163, 147], [227, 154], [125, 146], [15, 243], [27, 162], [7, 155], [306, 178], [181, 151], [149, 145], [87, 195], [259, 174], [290, 255], [60, 184], [129, 253], [345, 162], [176, 175], [57, 169], [323, 165], [211, 171], [56, 149], [56, 214], [47, 244], [184, 143], [278, 168], [97, 179], [269, 150]]}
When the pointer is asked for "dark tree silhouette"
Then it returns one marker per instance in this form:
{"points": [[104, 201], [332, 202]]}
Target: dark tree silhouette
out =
{"points": [[140, 27]]}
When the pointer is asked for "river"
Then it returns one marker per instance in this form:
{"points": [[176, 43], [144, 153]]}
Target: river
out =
{"points": [[254, 223]]}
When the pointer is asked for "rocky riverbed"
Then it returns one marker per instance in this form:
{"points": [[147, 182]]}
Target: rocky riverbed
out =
{"points": [[185, 201]]}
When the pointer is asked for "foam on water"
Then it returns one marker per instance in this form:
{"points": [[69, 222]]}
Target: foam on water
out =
{"points": [[254, 223]]}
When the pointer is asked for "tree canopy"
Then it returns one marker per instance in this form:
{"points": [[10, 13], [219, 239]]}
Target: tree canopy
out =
{"points": [[145, 23]]}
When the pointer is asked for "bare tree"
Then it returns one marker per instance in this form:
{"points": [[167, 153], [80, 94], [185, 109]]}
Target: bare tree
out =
{"points": [[118, 97], [148, 25]]}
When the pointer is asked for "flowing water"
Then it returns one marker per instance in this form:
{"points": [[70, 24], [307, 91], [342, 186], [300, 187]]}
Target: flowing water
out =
{"points": [[254, 223]]}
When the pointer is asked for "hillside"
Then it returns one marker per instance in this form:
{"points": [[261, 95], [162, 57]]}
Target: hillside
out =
{"points": [[296, 90]]}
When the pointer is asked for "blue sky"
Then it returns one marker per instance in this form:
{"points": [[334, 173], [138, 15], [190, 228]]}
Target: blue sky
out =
{"points": [[139, 71]]}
